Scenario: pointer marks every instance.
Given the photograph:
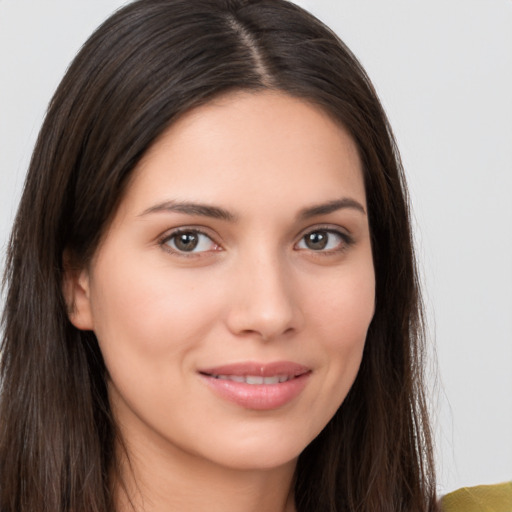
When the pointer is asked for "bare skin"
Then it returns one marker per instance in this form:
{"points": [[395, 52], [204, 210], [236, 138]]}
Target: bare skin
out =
{"points": [[240, 251]]}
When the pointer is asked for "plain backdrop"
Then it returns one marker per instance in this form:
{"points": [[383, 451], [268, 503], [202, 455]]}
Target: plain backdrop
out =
{"points": [[443, 70]]}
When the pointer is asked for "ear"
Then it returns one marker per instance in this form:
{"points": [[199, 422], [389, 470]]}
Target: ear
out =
{"points": [[76, 291]]}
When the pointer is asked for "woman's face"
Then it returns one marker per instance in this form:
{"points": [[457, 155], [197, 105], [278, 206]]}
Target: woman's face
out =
{"points": [[232, 294]]}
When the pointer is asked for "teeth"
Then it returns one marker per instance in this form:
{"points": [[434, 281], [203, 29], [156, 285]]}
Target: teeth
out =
{"points": [[255, 379]]}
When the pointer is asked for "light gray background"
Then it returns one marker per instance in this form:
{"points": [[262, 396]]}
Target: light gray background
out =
{"points": [[443, 69]]}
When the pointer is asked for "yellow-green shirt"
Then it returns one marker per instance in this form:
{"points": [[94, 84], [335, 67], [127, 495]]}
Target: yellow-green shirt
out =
{"points": [[483, 498]]}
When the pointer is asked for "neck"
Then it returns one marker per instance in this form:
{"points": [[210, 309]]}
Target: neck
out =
{"points": [[154, 481]]}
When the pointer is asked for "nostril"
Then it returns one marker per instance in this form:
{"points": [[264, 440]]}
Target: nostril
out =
{"points": [[264, 303]]}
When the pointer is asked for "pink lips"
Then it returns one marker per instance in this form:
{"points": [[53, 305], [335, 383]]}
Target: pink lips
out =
{"points": [[258, 386]]}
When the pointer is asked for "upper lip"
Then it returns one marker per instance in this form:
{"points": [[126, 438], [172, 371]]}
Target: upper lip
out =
{"points": [[258, 369]]}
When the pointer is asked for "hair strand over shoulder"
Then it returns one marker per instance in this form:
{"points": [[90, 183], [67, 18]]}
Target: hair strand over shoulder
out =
{"points": [[148, 64]]}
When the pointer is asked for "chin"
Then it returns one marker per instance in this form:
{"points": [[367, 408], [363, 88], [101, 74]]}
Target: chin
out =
{"points": [[261, 452], [259, 460]]}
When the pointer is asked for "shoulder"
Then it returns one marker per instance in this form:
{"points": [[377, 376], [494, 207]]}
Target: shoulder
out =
{"points": [[483, 498]]}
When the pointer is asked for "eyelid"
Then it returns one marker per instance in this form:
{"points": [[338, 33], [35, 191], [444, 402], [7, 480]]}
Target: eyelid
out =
{"points": [[343, 233], [169, 234]]}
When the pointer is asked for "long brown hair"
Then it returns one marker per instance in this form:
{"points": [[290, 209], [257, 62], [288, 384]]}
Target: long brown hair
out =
{"points": [[149, 63]]}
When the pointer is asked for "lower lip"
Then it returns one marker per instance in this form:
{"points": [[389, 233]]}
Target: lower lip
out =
{"points": [[260, 397]]}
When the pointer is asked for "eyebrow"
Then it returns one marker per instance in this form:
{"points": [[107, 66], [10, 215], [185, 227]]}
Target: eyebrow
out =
{"points": [[331, 207], [216, 212], [190, 208]]}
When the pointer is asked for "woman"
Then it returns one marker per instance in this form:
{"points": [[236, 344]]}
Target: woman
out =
{"points": [[212, 299]]}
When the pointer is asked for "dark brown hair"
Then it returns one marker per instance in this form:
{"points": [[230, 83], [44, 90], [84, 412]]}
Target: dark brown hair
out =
{"points": [[149, 63]]}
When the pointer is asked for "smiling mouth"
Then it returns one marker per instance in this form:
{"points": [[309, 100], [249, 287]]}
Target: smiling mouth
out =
{"points": [[258, 386], [254, 373], [254, 379]]}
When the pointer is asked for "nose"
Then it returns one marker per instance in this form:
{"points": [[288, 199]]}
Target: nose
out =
{"points": [[265, 301]]}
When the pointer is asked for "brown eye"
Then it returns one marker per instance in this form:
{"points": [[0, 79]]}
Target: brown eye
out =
{"points": [[186, 241], [317, 240], [190, 241], [324, 240]]}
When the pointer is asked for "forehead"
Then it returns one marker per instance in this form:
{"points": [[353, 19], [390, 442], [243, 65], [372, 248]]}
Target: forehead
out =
{"points": [[250, 148]]}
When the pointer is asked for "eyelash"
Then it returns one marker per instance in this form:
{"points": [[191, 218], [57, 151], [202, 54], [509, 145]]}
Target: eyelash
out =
{"points": [[164, 242], [345, 240]]}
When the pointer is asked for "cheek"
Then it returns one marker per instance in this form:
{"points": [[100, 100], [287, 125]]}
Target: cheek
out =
{"points": [[149, 327], [155, 313], [344, 306], [343, 313]]}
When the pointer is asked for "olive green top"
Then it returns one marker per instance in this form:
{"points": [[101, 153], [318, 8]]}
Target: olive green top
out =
{"points": [[483, 498]]}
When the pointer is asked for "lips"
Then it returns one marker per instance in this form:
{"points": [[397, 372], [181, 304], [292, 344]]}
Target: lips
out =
{"points": [[255, 379], [257, 386]]}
